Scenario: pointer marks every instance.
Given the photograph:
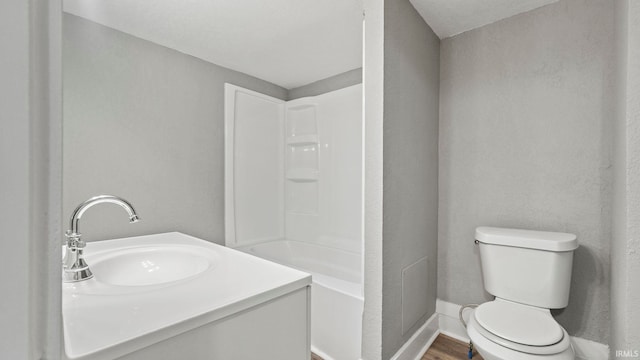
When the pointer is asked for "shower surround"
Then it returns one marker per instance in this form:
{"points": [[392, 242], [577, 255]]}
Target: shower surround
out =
{"points": [[293, 195]]}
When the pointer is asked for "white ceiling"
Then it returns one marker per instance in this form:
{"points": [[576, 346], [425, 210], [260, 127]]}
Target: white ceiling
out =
{"points": [[287, 42], [451, 17]]}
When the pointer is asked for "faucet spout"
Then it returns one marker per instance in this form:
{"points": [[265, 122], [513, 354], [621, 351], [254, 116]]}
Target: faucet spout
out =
{"points": [[100, 199], [74, 266]]}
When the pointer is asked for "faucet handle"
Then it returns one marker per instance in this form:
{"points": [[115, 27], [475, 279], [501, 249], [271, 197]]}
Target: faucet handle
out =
{"points": [[74, 240], [74, 267]]}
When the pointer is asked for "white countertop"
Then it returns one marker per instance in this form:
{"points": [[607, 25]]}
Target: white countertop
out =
{"points": [[103, 321]]}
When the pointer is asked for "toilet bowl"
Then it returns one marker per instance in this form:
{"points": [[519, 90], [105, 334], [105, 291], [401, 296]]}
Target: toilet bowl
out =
{"points": [[504, 330], [529, 273]]}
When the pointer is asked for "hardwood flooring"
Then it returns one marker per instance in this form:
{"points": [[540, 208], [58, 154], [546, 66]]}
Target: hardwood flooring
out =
{"points": [[315, 357], [448, 348]]}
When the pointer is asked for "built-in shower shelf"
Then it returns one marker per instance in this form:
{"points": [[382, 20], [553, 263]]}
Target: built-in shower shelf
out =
{"points": [[302, 174], [303, 140]]}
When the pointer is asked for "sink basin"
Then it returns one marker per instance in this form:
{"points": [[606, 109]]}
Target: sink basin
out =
{"points": [[147, 289], [149, 265]]}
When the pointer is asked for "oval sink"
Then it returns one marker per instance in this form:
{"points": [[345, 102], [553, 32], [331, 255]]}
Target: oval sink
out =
{"points": [[149, 265]]}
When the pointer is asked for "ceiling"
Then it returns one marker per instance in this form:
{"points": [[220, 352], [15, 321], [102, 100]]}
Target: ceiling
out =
{"points": [[286, 42], [451, 17]]}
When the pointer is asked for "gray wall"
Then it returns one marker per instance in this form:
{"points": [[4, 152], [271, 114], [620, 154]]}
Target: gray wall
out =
{"points": [[525, 141], [30, 168], [16, 334], [146, 123], [625, 259], [410, 163], [332, 83], [373, 131]]}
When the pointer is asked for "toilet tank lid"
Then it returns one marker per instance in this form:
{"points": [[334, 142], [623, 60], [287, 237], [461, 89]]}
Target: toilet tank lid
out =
{"points": [[530, 239]]}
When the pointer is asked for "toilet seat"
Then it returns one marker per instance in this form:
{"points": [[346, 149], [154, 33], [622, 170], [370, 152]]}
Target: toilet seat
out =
{"points": [[491, 350], [518, 323], [499, 322]]}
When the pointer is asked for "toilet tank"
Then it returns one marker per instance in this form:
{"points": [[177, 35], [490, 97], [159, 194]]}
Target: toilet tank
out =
{"points": [[526, 266]]}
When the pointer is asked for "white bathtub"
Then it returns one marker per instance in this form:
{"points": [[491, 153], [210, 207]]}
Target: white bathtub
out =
{"points": [[336, 294]]}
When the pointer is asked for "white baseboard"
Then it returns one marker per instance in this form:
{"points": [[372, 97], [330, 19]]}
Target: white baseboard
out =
{"points": [[589, 350], [448, 321], [449, 324], [418, 344]]}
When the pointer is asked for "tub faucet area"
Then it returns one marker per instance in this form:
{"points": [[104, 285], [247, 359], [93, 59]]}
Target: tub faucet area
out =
{"points": [[74, 267]]}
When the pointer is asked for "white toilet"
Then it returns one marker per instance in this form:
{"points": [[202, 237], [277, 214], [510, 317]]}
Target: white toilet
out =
{"points": [[529, 273]]}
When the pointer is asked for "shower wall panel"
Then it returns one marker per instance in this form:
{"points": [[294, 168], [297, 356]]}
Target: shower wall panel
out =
{"points": [[294, 169], [253, 167], [324, 169]]}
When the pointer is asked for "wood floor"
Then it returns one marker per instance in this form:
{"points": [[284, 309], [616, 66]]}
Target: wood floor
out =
{"points": [[448, 348], [444, 348]]}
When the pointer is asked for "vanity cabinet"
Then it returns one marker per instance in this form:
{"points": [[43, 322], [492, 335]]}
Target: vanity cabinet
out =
{"points": [[277, 329]]}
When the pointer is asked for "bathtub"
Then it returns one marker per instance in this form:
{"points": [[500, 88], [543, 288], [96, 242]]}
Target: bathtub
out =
{"points": [[336, 293]]}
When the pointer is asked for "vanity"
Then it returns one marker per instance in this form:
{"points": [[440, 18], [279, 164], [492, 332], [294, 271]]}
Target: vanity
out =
{"points": [[173, 296]]}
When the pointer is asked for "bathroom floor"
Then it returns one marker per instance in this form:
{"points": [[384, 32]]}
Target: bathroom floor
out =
{"points": [[448, 348]]}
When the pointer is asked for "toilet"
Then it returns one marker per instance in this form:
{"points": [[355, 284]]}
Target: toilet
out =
{"points": [[529, 273]]}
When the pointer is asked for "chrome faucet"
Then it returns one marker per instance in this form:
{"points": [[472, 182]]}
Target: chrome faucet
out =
{"points": [[74, 268]]}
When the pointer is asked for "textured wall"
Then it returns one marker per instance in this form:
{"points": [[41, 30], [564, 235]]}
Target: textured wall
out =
{"points": [[31, 165], [373, 85], [410, 198], [146, 123], [625, 259], [633, 168], [332, 83], [633, 184], [525, 141], [17, 340]]}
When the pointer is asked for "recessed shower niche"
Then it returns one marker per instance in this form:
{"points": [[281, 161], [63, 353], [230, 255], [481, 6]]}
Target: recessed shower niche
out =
{"points": [[302, 173]]}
